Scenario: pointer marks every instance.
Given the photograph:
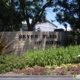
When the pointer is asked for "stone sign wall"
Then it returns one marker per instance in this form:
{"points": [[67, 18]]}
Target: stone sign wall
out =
{"points": [[24, 41]]}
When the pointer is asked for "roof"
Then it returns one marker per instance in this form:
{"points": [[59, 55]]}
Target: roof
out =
{"points": [[46, 22]]}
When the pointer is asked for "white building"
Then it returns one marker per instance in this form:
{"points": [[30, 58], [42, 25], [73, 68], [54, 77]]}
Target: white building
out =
{"points": [[45, 26]]}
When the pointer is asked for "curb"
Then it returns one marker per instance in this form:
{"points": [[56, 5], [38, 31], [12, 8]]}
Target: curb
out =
{"points": [[36, 76]]}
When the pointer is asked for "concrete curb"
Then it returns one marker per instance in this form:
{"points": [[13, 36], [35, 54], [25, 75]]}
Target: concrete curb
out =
{"points": [[36, 76]]}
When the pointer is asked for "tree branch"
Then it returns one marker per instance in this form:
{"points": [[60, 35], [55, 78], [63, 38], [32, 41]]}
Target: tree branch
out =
{"points": [[40, 12]]}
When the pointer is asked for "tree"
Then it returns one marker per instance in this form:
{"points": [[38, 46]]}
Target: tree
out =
{"points": [[9, 17], [34, 10], [4, 11], [68, 11], [17, 10]]}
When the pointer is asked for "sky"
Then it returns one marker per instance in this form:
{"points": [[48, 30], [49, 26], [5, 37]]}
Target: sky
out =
{"points": [[51, 16]]}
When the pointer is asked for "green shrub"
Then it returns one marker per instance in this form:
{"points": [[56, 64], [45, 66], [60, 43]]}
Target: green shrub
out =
{"points": [[53, 56], [41, 58], [10, 62]]}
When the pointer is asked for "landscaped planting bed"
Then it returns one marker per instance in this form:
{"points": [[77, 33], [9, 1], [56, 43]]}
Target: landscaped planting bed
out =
{"points": [[70, 69], [58, 61]]}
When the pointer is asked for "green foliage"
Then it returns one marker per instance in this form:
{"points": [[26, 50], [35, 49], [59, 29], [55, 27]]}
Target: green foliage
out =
{"points": [[53, 56], [13, 12], [4, 46], [10, 62], [49, 58], [68, 11]]}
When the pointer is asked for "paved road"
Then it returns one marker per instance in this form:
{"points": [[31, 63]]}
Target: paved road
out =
{"points": [[38, 78]]}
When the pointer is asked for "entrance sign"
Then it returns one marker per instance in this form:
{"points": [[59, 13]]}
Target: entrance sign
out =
{"points": [[26, 40], [37, 36]]}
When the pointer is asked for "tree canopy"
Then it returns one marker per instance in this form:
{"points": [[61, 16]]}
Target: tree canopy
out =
{"points": [[13, 12], [68, 11]]}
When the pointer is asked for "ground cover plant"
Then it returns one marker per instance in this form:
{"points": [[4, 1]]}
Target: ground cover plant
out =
{"points": [[52, 61], [71, 69]]}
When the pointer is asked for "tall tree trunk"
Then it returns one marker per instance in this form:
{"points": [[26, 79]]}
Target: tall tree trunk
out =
{"points": [[12, 14], [30, 28]]}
